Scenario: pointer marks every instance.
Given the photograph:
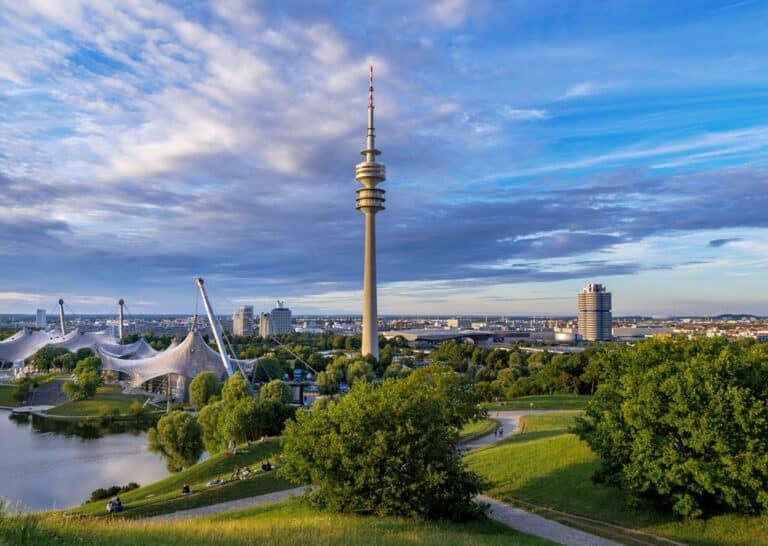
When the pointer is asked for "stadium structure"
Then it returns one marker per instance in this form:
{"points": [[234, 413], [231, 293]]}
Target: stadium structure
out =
{"points": [[138, 364]]}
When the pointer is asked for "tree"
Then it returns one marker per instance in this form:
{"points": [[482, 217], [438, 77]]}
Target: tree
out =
{"points": [[178, 438], [202, 388], [276, 391], [359, 370], [684, 424], [43, 358], [215, 436], [87, 379], [385, 450], [235, 388]]}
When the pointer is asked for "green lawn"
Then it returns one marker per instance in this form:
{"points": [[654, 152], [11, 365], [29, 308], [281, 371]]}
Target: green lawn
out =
{"points": [[477, 429], [107, 396], [542, 402], [165, 496], [289, 523], [5, 396], [549, 467]]}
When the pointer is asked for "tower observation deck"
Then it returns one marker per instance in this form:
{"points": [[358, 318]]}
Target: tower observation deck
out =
{"points": [[370, 200]]}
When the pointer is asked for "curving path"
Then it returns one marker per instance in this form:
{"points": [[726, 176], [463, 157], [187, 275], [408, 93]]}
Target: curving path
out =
{"points": [[511, 516], [229, 506], [509, 420]]}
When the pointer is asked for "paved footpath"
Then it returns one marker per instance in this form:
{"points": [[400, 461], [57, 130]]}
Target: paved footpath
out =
{"points": [[229, 506], [515, 518], [509, 422], [542, 527]]}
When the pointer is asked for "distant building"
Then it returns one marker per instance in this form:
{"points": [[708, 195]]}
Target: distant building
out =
{"points": [[41, 320], [242, 321], [277, 321], [594, 304], [460, 323]]}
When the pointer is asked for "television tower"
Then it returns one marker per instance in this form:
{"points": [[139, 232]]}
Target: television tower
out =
{"points": [[370, 200]]}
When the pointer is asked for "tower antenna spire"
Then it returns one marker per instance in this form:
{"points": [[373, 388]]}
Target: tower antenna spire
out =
{"points": [[370, 89]]}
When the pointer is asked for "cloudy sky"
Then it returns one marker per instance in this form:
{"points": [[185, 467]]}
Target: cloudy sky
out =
{"points": [[531, 147]]}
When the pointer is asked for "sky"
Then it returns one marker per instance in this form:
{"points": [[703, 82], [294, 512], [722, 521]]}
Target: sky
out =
{"points": [[531, 148]]}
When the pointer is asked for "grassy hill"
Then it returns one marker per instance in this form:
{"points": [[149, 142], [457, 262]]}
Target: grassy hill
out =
{"points": [[542, 402], [165, 496], [288, 523], [108, 398], [5, 396], [546, 466]]}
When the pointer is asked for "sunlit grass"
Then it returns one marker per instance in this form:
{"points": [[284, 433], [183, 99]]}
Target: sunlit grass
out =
{"points": [[108, 398], [284, 524], [548, 466], [5, 396], [542, 402], [477, 429], [165, 495]]}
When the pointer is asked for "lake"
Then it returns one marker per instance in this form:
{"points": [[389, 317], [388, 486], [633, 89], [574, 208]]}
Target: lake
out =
{"points": [[44, 465]]}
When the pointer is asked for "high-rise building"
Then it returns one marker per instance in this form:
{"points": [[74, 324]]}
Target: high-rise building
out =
{"points": [[595, 319], [265, 328], [370, 200], [41, 320], [242, 321], [277, 321]]}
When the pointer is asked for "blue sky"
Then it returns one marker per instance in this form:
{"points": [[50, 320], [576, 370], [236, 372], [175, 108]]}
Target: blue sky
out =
{"points": [[531, 147]]}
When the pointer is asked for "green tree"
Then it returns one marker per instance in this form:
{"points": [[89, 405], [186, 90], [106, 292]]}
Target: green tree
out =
{"points": [[276, 391], [202, 388], [359, 370], [235, 388], [178, 438], [43, 359], [386, 450], [210, 419], [684, 424]]}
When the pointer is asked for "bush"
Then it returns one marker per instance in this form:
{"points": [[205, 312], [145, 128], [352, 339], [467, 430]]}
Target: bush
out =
{"points": [[102, 493], [684, 424], [386, 450], [178, 438], [202, 388]]}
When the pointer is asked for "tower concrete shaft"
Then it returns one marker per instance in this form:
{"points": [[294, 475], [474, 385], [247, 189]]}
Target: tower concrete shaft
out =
{"points": [[370, 200], [120, 323], [61, 316]]}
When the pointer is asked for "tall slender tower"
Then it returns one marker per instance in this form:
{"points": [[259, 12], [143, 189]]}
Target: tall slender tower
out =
{"points": [[370, 200], [121, 318]]}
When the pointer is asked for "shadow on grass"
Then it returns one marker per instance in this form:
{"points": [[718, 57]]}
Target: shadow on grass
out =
{"points": [[571, 490]]}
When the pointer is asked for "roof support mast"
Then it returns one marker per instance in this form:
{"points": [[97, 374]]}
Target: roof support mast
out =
{"points": [[215, 328]]}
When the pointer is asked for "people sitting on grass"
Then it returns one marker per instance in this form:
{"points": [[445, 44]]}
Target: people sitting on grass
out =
{"points": [[266, 466], [185, 490], [115, 505]]}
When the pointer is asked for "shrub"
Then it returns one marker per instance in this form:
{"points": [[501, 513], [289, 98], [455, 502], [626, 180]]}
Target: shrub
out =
{"points": [[387, 450], [684, 424]]}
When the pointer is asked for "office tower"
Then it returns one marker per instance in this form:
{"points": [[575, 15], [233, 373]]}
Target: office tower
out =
{"points": [[41, 320], [594, 313], [242, 321], [277, 321]]}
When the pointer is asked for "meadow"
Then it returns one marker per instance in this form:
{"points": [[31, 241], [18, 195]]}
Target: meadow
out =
{"points": [[165, 496], [547, 469], [108, 399], [288, 523]]}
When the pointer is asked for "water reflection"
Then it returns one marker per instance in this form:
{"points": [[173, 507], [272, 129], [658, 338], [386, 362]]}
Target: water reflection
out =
{"points": [[50, 464]]}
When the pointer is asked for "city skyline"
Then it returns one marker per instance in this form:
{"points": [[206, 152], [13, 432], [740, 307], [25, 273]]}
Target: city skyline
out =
{"points": [[532, 149]]}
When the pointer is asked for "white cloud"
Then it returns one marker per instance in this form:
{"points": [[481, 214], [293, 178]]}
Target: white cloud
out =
{"points": [[584, 89], [448, 13], [523, 113]]}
